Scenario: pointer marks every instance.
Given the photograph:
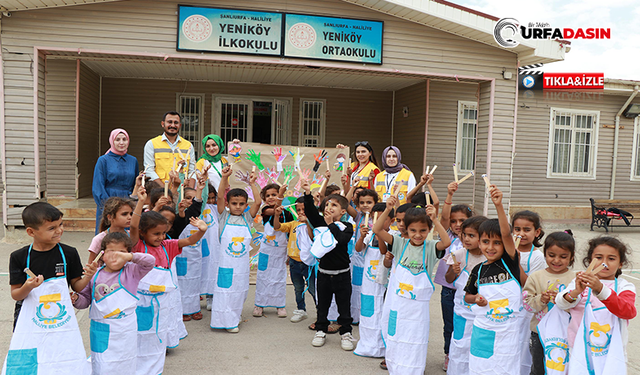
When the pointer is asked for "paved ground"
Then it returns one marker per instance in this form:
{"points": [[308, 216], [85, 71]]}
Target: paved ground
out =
{"points": [[276, 346]]}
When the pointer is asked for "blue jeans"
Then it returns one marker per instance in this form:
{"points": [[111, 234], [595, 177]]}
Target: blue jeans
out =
{"points": [[300, 278], [446, 302]]}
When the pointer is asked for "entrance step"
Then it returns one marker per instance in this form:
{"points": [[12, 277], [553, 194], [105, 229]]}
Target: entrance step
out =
{"points": [[79, 215]]}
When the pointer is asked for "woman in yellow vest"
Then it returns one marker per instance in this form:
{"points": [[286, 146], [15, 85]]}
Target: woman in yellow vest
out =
{"points": [[364, 165], [394, 173]]}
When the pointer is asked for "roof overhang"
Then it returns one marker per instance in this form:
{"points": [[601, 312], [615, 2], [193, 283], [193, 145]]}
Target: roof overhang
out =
{"points": [[438, 14]]}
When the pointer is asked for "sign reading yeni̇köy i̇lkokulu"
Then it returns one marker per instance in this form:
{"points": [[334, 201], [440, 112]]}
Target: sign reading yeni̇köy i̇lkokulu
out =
{"points": [[254, 32], [229, 30], [329, 38]]}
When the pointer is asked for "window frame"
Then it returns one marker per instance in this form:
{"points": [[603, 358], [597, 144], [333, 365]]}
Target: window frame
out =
{"points": [[634, 153], [323, 121], [594, 154], [460, 116], [197, 144]]}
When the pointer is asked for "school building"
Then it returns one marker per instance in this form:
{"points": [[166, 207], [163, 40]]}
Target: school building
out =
{"points": [[426, 76]]}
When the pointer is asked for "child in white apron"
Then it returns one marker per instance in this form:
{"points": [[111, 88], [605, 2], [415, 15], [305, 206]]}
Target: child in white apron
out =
{"points": [[157, 306], [188, 273], [466, 259], [372, 293], [113, 301], [405, 314], [46, 318], [527, 226], [494, 286], [210, 249], [601, 305], [365, 199], [271, 277], [540, 291], [232, 279]]}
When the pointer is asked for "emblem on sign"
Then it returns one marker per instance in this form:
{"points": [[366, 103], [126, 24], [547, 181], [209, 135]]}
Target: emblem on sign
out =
{"points": [[302, 35], [197, 28]]}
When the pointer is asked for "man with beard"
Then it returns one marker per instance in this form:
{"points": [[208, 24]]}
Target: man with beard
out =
{"points": [[161, 153]]}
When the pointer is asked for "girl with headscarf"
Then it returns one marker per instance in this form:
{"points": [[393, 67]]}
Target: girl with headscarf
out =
{"points": [[213, 147], [394, 173], [115, 172]]}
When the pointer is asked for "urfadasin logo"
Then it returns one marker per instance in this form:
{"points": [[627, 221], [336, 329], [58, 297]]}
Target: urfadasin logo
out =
{"points": [[505, 32]]}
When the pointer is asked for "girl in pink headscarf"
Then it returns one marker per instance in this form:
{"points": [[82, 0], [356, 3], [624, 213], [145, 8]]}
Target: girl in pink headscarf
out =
{"points": [[115, 172]]}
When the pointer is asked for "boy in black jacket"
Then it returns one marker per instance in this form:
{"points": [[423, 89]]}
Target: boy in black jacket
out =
{"points": [[334, 277]]}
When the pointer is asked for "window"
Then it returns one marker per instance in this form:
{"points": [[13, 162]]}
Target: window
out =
{"points": [[635, 161], [572, 143], [190, 106], [467, 135], [312, 123]]}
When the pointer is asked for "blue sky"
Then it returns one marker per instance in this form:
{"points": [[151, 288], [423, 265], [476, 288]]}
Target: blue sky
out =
{"points": [[618, 57]]}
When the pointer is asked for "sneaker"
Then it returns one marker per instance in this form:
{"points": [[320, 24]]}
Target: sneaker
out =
{"points": [[299, 315], [445, 365], [282, 312], [346, 341], [257, 311], [233, 330], [209, 301], [319, 339]]}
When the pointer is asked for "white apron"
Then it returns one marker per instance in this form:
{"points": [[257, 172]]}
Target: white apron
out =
{"points": [[210, 250], [46, 320], [598, 348], [232, 285], [155, 318], [357, 273], [188, 272], [178, 331], [552, 331], [405, 319], [271, 277], [113, 330], [463, 319], [372, 298], [525, 324], [495, 339]]}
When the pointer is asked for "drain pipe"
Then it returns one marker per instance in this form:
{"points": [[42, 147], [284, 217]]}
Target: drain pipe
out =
{"points": [[615, 141]]}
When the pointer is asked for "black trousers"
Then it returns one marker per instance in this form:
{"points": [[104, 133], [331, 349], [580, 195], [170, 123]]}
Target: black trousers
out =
{"points": [[537, 354], [328, 286]]}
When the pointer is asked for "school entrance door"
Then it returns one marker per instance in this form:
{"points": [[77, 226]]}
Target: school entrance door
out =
{"points": [[251, 119]]}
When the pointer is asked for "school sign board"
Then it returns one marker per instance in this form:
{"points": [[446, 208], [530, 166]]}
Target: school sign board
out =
{"points": [[279, 34]]}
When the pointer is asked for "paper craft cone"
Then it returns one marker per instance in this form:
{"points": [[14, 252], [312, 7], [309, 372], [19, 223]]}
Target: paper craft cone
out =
{"points": [[99, 256], [486, 181], [518, 241], [465, 178], [253, 169], [166, 188], [182, 193], [455, 172], [173, 153], [428, 198], [30, 273], [454, 258], [427, 170], [328, 166], [375, 216], [366, 219], [592, 265], [434, 169], [598, 269]]}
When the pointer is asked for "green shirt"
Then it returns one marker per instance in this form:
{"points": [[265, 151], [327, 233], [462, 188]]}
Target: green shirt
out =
{"points": [[413, 258]]}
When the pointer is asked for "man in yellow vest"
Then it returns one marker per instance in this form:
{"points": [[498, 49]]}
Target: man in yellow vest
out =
{"points": [[161, 153]]}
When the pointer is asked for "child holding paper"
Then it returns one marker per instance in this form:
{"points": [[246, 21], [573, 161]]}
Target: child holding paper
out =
{"points": [[601, 303], [540, 291], [494, 286], [40, 276]]}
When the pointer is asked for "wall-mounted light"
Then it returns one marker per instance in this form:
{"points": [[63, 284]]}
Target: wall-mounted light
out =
{"points": [[632, 111]]}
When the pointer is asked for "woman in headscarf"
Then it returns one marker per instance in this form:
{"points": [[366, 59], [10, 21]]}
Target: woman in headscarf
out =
{"points": [[213, 147], [115, 172], [394, 173]]}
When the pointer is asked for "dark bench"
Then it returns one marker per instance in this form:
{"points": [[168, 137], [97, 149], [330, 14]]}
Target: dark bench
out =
{"points": [[605, 213]]}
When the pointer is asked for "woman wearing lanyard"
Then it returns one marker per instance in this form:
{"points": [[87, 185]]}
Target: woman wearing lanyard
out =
{"points": [[213, 147], [394, 173], [115, 172], [364, 166]]}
